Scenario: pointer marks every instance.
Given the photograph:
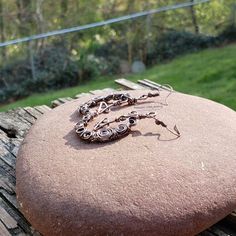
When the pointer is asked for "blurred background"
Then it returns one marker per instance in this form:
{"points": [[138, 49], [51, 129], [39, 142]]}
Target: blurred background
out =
{"points": [[193, 48]]}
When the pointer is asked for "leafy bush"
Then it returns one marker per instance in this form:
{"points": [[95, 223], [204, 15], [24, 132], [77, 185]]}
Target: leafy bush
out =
{"points": [[54, 69], [229, 34], [176, 43], [111, 48], [111, 54]]}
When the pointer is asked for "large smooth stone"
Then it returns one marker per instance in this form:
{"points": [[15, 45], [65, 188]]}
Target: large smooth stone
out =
{"points": [[148, 183], [138, 67]]}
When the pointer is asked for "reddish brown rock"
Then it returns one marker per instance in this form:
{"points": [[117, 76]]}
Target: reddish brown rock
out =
{"points": [[148, 183]]}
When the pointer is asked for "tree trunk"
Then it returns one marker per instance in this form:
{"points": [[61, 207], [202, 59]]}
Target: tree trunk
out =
{"points": [[147, 44], [31, 58], [64, 8], [194, 19], [130, 27], [130, 56], [24, 16], [40, 24], [2, 31]]}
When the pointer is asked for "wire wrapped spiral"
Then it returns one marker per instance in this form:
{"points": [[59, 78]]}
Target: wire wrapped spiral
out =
{"points": [[102, 132]]}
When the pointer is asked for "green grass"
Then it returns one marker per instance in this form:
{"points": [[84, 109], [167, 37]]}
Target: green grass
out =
{"points": [[46, 98], [210, 73]]}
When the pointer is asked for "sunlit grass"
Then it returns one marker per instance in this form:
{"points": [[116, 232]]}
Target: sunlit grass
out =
{"points": [[210, 73]]}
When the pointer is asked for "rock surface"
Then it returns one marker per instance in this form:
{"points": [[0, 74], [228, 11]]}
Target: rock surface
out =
{"points": [[148, 183], [125, 67], [138, 67]]}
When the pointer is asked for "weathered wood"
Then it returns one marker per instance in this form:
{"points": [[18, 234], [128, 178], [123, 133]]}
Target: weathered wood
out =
{"points": [[13, 129], [7, 172], [148, 85], [14, 145], [56, 103], [128, 84], [13, 125], [66, 99], [6, 185], [3, 230], [42, 109], [22, 227], [7, 156], [60, 101], [11, 199], [33, 112], [220, 229], [154, 85], [7, 219], [99, 91], [231, 219], [206, 233], [3, 137], [82, 95], [25, 115]]}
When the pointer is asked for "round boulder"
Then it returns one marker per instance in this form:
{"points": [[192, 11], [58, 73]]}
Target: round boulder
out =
{"points": [[124, 67], [138, 67], [147, 183]]}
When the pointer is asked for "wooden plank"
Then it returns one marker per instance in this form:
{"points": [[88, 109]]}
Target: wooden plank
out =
{"points": [[8, 140], [60, 101], [220, 230], [7, 173], [6, 185], [128, 84], [99, 91], [3, 230], [232, 218], [13, 124], [13, 145], [10, 198], [7, 219], [7, 156], [3, 137], [206, 233], [56, 103], [42, 109], [82, 95], [152, 83], [148, 85], [10, 217], [66, 99], [25, 115], [33, 112], [23, 227], [16, 115]]}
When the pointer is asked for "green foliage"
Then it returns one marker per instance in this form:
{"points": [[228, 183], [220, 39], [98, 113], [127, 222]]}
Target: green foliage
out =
{"points": [[44, 65], [53, 68], [229, 34], [203, 73], [111, 53], [176, 43]]}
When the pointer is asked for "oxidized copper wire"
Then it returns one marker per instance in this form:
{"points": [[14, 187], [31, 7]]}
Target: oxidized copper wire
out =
{"points": [[101, 131]]}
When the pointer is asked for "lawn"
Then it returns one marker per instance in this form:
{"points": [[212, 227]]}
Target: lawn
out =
{"points": [[210, 73]]}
